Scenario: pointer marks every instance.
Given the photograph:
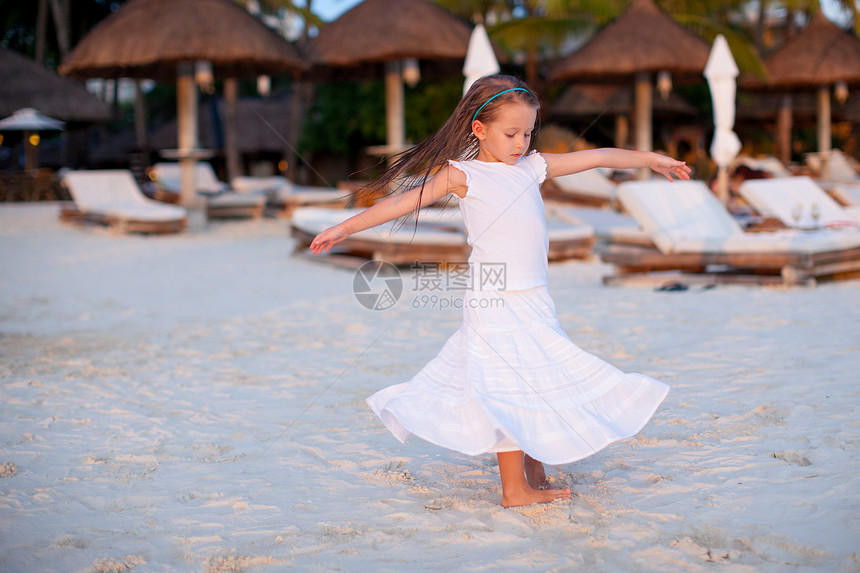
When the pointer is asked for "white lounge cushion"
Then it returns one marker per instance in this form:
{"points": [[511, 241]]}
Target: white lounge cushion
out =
{"points": [[769, 164], [249, 184], [781, 196], [832, 165], [169, 176], [607, 224], [282, 190], [303, 194], [115, 193], [783, 241], [675, 212], [561, 230], [685, 217], [229, 200], [435, 226], [591, 183], [847, 193]]}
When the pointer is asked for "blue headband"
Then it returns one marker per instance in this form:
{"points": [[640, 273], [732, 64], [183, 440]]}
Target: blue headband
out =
{"points": [[474, 117]]}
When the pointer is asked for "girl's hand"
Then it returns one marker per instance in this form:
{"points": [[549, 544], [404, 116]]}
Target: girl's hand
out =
{"points": [[323, 242], [668, 167]]}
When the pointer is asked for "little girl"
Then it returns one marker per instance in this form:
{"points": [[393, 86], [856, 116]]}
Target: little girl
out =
{"points": [[509, 381]]}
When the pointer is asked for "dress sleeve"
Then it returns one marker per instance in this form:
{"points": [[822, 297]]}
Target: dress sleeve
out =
{"points": [[538, 164], [460, 166]]}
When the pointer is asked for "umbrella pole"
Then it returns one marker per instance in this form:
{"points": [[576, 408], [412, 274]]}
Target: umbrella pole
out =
{"points": [[783, 130], [231, 128], [395, 109], [723, 184], [186, 103], [643, 118], [823, 126], [30, 159], [622, 131]]}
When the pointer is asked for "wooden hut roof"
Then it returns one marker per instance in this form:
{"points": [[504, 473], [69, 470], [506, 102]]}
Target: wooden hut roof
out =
{"points": [[643, 39], [25, 83], [757, 106], [821, 54], [148, 38], [262, 124], [383, 30], [590, 100]]}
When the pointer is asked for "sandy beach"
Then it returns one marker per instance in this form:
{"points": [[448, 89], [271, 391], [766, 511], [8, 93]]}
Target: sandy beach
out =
{"points": [[195, 402]]}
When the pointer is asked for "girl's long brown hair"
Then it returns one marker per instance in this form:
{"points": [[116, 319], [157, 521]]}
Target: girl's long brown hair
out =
{"points": [[455, 139]]}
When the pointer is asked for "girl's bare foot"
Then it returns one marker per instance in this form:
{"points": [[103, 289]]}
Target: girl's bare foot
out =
{"points": [[535, 474], [529, 496], [516, 490]]}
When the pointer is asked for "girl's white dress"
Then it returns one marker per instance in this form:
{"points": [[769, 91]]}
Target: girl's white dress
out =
{"points": [[510, 378]]}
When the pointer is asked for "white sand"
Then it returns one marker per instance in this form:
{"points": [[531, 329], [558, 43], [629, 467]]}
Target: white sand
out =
{"points": [[196, 403]]}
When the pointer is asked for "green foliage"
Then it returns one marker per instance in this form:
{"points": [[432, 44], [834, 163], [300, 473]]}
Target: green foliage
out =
{"points": [[344, 117], [348, 116], [429, 105]]}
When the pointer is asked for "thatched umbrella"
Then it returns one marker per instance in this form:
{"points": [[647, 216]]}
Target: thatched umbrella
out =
{"points": [[25, 83], [821, 56], [641, 42], [29, 120], [395, 33], [589, 101], [163, 39]]}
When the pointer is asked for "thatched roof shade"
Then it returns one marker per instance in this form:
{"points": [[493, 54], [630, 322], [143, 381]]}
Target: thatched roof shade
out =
{"points": [[25, 83], [254, 135], [821, 54], [263, 125], [763, 106], [383, 30], [148, 38], [643, 39], [590, 100]]}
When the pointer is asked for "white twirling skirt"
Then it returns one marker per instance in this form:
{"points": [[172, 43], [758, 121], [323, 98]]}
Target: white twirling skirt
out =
{"points": [[511, 379]]}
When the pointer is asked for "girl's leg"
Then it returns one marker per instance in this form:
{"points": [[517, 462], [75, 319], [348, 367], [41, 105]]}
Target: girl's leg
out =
{"points": [[535, 474], [516, 490]]}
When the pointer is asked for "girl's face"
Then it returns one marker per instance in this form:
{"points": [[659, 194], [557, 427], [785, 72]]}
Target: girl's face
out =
{"points": [[506, 139]]}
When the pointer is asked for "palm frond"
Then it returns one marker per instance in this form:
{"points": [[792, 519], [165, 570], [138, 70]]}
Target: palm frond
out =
{"points": [[746, 56]]}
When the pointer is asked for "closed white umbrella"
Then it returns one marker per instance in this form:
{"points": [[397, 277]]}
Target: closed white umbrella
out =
{"points": [[480, 58], [721, 73]]}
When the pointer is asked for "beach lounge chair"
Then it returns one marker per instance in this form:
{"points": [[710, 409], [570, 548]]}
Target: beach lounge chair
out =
{"points": [[693, 232], [284, 196], [609, 225], [833, 166], [440, 236], [112, 197], [848, 195], [769, 164], [589, 187], [797, 202], [221, 201]]}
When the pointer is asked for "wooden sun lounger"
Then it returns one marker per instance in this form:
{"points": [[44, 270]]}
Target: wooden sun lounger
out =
{"points": [[221, 201], [113, 198], [439, 237], [436, 239], [693, 233], [796, 202], [283, 196], [589, 188]]}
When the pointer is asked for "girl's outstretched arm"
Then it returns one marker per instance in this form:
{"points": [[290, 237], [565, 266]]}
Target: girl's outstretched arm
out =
{"points": [[566, 163], [447, 180]]}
